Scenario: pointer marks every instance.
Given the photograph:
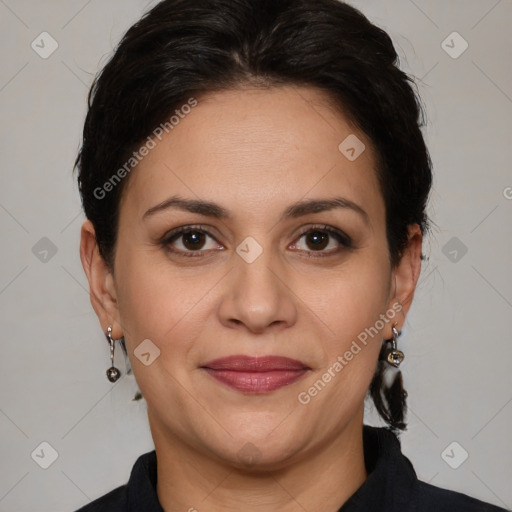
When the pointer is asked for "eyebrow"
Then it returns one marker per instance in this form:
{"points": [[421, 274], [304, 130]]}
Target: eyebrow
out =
{"points": [[298, 209]]}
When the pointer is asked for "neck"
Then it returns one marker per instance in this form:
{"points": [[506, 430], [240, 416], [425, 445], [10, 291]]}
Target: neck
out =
{"points": [[322, 480]]}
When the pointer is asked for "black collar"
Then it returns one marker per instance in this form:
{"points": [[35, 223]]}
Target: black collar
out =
{"points": [[391, 480]]}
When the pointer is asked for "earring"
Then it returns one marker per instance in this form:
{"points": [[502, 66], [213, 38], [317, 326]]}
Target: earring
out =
{"points": [[112, 373], [395, 357]]}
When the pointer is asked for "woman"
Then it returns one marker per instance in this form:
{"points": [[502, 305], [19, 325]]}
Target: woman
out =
{"points": [[255, 182]]}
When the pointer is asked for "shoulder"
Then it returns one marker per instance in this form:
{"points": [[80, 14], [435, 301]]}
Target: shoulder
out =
{"points": [[430, 497], [138, 494], [114, 501]]}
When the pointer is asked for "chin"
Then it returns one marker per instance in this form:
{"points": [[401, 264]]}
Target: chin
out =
{"points": [[257, 451], [258, 458]]}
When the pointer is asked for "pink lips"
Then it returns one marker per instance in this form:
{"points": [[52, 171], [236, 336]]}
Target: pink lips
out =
{"points": [[256, 374]]}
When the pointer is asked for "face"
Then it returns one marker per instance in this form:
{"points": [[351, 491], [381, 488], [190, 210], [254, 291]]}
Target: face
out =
{"points": [[288, 258]]}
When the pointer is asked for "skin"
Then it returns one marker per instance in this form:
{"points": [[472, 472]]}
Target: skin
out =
{"points": [[254, 152]]}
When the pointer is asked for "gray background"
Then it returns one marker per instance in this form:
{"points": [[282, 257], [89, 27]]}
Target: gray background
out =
{"points": [[458, 337]]}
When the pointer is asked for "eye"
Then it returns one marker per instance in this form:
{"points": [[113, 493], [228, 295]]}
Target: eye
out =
{"points": [[324, 240], [319, 238], [187, 240]]}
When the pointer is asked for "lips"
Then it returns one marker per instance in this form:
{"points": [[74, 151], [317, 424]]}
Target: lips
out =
{"points": [[256, 374]]}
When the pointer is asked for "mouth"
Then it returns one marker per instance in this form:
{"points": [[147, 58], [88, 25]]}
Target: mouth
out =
{"points": [[256, 374]]}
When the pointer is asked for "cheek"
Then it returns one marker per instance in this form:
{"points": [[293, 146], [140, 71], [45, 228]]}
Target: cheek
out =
{"points": [[151, 295], [150, 302], [159, 302], [156, 304], [340, 386], [352, 309], [140, 296], [355, 297]]}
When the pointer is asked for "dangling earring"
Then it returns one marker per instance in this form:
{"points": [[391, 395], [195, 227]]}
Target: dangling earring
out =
{"points": [[395, 357], [112, 373]]}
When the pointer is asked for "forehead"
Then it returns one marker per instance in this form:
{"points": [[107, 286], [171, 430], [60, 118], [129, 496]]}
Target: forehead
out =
{"points": [[257, 146]]}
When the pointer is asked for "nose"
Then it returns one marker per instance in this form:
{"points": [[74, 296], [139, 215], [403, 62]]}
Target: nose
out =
{"points": [[257, 297]]}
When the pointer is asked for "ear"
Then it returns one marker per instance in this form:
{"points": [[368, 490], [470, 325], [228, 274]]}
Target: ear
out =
{"points": [[101, 281], [405, 277]]}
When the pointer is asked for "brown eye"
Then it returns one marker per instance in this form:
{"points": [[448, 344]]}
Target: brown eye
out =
{"points": [[317, 240], [189, 242], [325, 241], [193, 240]]}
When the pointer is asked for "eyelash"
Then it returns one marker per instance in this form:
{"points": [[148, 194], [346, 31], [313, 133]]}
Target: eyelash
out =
{"points": [[343, 239]]}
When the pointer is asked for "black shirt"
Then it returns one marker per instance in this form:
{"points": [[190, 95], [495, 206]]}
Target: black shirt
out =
{"points": [[391, 485]]}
